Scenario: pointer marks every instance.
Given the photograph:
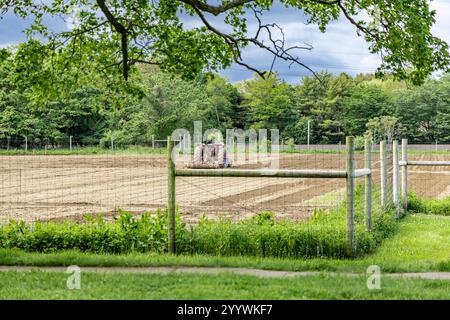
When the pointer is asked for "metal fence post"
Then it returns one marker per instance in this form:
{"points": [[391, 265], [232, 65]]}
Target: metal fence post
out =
{"points": [[350, 194], [171, 196], [153, 141], [26, 143], [383, 173], [405, 174], [70, 143], [368, 184], [395, 179]]}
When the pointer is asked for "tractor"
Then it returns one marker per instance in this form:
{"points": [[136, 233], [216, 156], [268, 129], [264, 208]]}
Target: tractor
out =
{"points": [[210, 155]]}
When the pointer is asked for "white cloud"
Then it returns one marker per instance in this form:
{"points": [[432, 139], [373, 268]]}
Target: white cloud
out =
{"points": [[337, 50], [73, 20], [442, 27]]}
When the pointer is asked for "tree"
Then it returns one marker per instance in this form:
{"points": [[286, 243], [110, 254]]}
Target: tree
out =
{"points": [[298, 131], [417, 109], [124, 33], [384, 128], [322, 101], [364, 102], [269, 102], [43, 105], [224, 102], [443, 127], [168, 103]]}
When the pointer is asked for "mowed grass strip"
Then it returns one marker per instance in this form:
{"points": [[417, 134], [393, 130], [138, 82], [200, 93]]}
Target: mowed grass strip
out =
{"points": [[423, 238], [421, 244], [51, 285]]}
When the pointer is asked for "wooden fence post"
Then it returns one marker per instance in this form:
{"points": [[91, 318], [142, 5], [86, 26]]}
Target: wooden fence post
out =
{"points": [[368, 184], [383, 173], [405, 174], [171, 196], [395, 179], [153, 141], [350, 194]]}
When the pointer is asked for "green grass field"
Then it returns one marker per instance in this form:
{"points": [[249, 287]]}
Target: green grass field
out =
{"points": [[51, 285]]}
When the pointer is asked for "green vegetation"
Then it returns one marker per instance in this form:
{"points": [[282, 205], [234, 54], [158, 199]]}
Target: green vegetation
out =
{"points": [[323, 235], [52, 285], [95, 111], [116, 36], [429, 206], [421, 244]]}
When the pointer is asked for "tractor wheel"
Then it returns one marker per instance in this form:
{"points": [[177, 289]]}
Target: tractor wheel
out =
{"points": [[198, 154], [221, 156]]}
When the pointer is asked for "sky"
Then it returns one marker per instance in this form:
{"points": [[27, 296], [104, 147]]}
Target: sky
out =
{"points": [[338, 50]]}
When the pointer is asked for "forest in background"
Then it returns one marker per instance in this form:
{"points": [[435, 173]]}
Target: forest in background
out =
{"points": [[45, 98]]}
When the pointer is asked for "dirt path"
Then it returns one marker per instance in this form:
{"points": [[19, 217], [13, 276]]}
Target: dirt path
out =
{"points": [[242, 271]]}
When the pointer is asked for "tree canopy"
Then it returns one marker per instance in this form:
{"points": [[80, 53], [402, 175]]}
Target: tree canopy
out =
{"points": [[120, 34], [95, 109]]}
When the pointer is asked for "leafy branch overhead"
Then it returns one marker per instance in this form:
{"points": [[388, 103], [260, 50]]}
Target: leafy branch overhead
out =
{"points": [[123, 33]]}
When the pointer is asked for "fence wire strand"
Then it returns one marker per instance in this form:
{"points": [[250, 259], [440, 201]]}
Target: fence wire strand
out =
{"points": [[48, 180]]}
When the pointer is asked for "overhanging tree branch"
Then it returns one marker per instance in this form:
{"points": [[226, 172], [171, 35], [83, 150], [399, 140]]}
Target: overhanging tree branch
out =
{"points": [[278, 48], [123, 33], [216, 10]]}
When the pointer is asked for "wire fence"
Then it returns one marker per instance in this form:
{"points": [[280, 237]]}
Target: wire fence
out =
{"points": [[58, 180], [431, 182]]}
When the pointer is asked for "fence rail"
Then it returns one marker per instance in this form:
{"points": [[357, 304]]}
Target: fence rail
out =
{"points": [[405, 163], [426, 163], [266, 173], [349, 174]]}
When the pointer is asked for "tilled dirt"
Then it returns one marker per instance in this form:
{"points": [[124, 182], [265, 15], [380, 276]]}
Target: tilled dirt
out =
{"points": [[64, 187]]}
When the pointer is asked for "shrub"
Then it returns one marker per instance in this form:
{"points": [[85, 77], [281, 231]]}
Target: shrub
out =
{"points": [[127, 233], [360, 142], [323, 235], [428, 206]]}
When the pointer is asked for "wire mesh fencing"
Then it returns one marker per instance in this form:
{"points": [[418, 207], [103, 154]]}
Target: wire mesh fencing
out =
{"points": [[58, 180], [44, 179], [242, 197], [51, 179], [431, 181]]}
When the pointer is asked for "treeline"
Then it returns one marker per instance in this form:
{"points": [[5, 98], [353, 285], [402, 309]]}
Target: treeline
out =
{"points": [[48, 98]]}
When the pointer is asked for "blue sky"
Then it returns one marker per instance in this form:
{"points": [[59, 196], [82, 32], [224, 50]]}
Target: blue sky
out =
{"points": [[337, 50]]}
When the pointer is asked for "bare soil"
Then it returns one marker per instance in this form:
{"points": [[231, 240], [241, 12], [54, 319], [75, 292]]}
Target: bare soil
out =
{"points": [[65, 187]]}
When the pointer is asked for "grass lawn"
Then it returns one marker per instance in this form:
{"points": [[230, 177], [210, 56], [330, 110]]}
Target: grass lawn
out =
{"points": [[421, 244], [52, 285]]}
